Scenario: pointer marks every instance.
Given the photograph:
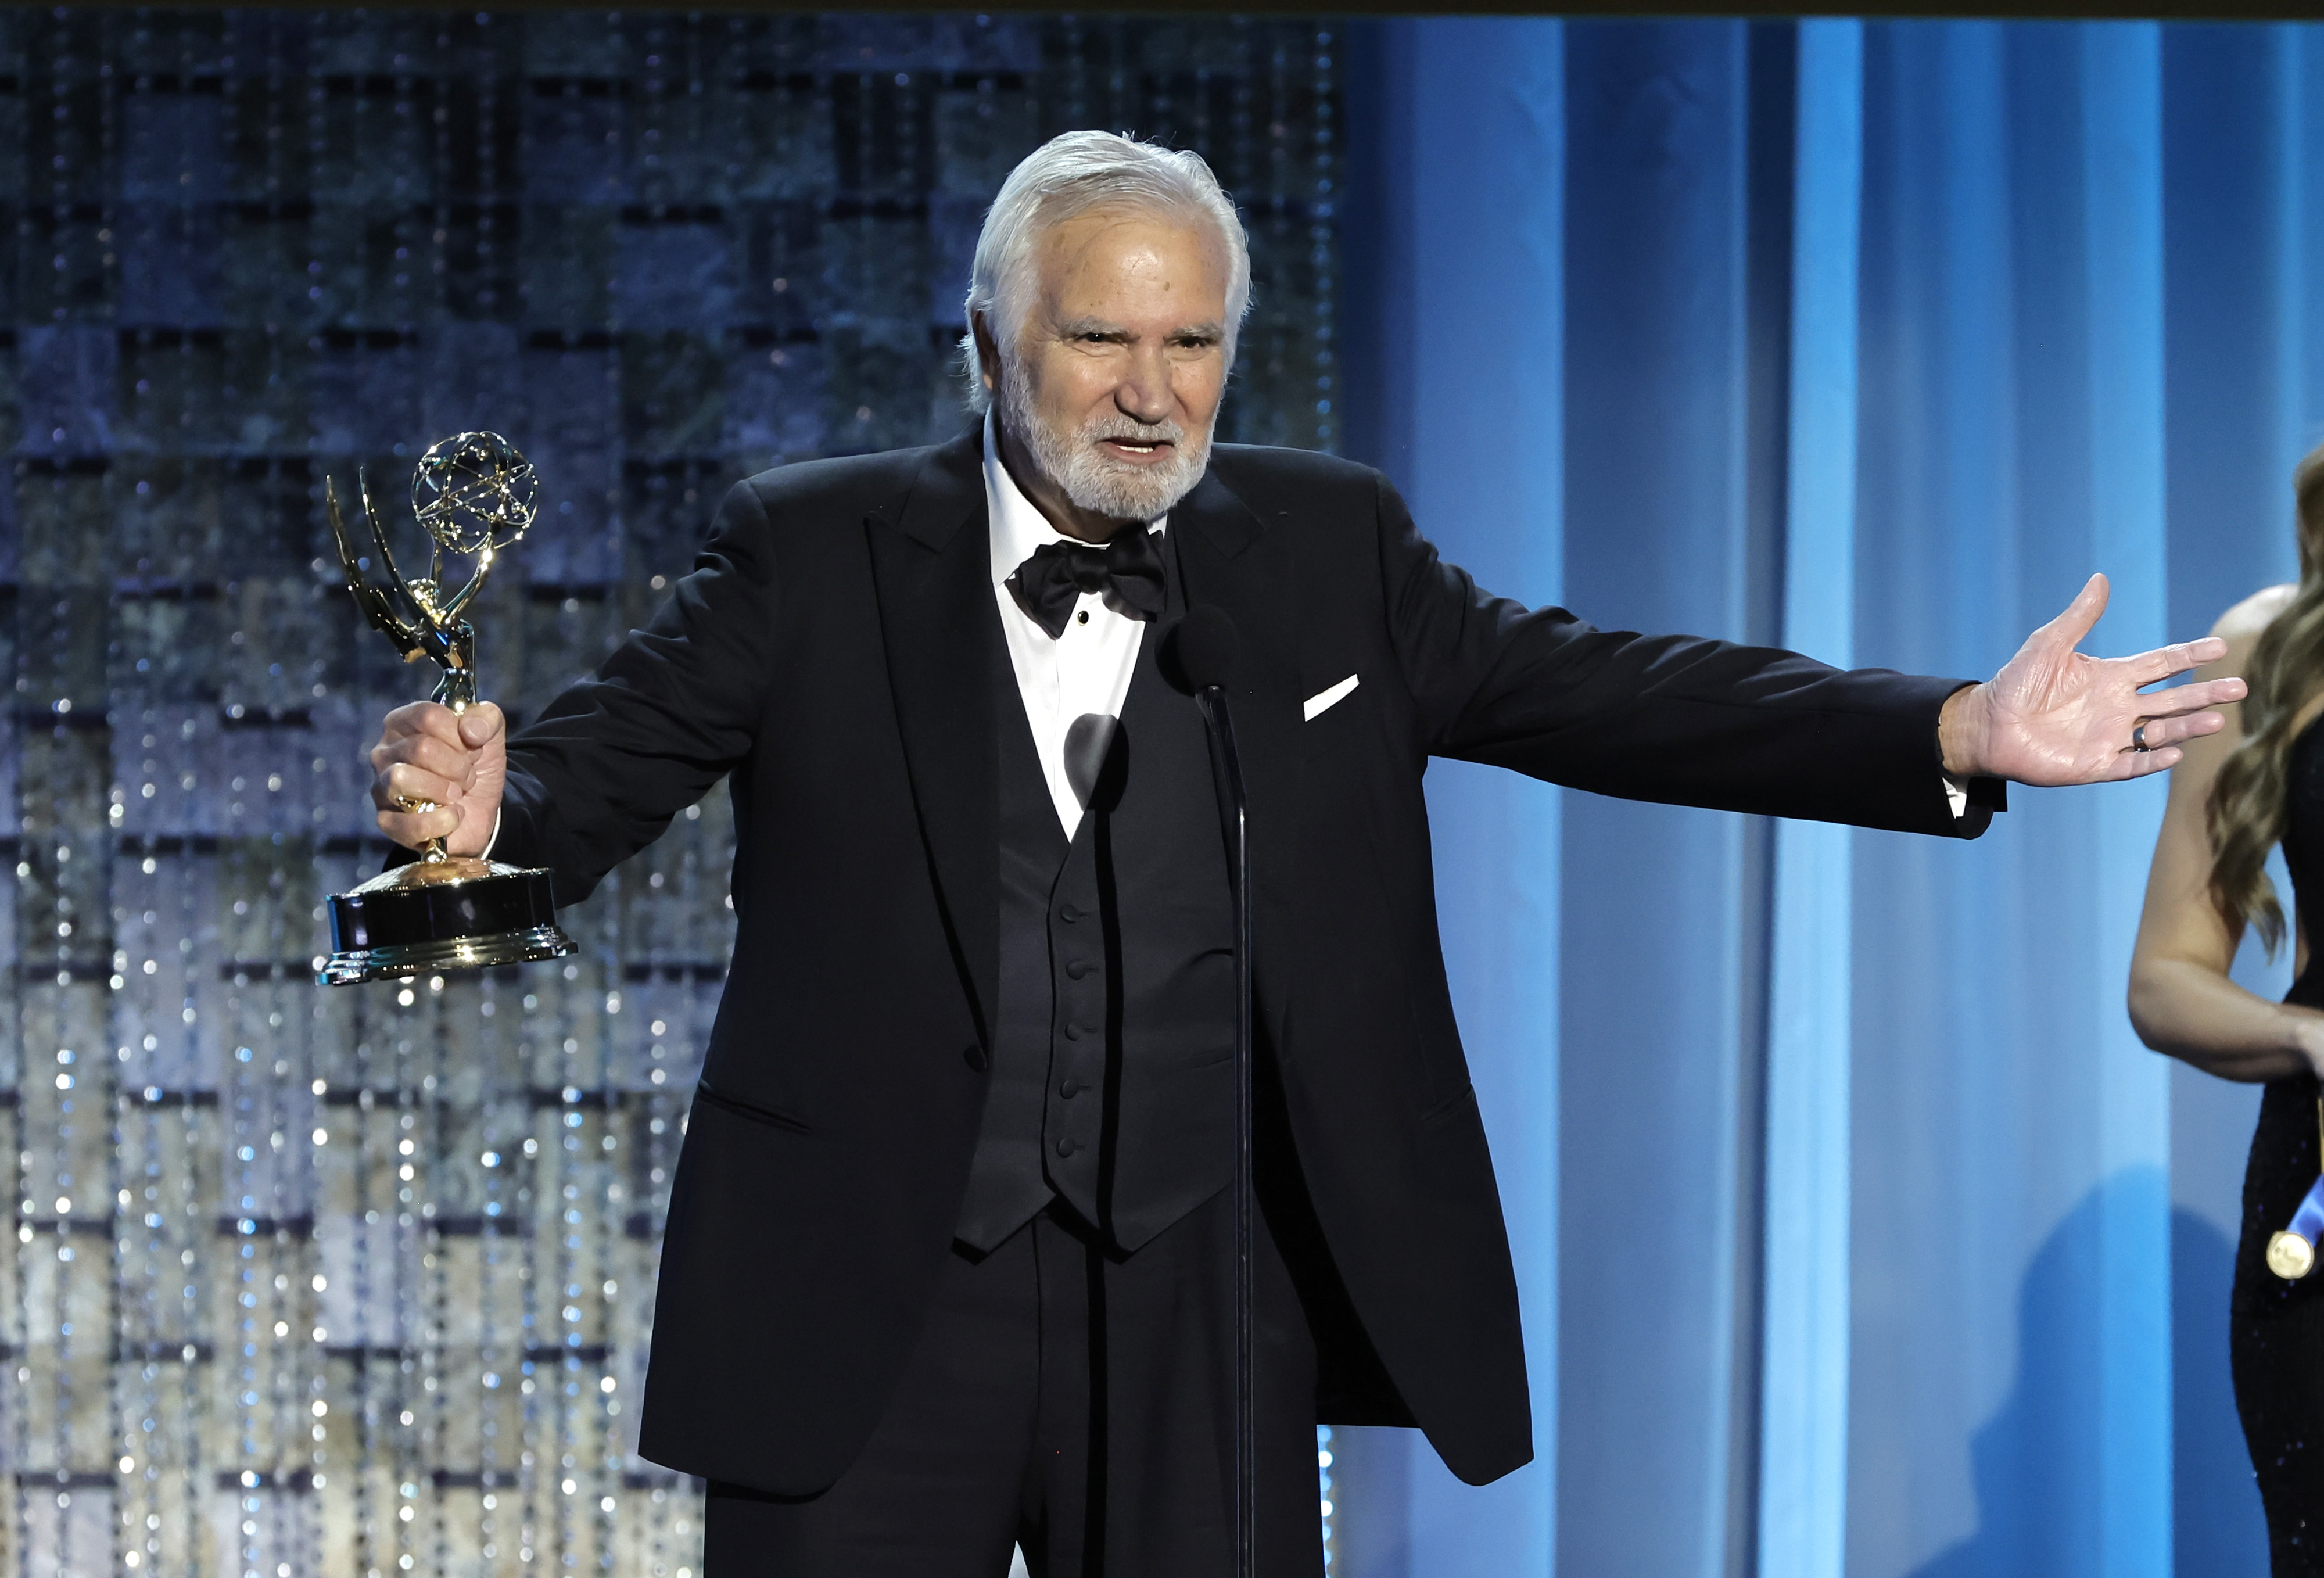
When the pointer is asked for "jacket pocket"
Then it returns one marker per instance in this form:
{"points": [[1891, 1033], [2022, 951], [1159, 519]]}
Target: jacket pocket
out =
{"points": [[1349, 722], [704, 1093]]}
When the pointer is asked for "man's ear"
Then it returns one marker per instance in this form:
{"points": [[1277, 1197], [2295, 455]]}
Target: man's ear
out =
{"points": [[988, 352]]}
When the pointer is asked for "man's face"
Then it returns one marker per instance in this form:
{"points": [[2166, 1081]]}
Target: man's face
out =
{"points": [[1121, 360]]}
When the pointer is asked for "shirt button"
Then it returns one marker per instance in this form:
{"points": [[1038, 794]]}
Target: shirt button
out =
{"points": [[1084, 617], [1064, 1147], [1070, 1089], [1079, 968], [973, 1056]]}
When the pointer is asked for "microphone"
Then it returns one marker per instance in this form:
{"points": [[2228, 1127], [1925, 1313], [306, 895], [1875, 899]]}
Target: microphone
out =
{"points": [[1204, 648]]}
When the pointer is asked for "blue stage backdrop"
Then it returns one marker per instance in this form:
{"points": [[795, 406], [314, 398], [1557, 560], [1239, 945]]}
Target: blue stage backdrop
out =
{"points": [[358, 1282], [1857, 1234]]}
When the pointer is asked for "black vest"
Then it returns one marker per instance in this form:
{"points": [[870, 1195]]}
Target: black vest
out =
{"points": [[1112, 1078]]}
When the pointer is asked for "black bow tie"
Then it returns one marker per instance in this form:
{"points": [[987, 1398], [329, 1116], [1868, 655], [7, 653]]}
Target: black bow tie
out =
{"points": [[1127, 574]]}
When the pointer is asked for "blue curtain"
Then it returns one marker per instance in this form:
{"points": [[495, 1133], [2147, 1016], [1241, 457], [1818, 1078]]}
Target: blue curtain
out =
{"points": [[1468, 403], [1857, 1234]]}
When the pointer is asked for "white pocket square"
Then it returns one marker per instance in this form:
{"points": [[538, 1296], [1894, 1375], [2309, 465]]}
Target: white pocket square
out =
{"points": [[1327, 698]]}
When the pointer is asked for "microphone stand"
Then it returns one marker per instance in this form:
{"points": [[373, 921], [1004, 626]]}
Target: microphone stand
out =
{"points": [[1226, 771]]}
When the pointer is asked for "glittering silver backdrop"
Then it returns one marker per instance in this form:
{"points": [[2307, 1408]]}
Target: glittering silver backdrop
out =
{"points": [[359, 1281]]}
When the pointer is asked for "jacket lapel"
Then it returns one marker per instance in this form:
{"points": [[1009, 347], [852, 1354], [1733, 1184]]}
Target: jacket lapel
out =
{"points": [[931, 570], [1232, 561]]}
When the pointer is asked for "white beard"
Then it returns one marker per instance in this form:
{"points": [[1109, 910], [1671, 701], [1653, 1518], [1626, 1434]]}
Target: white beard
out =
{"points": [[1093, 480]]}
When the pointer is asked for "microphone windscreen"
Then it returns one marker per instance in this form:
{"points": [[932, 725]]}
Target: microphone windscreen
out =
{"points": [[1206, 647]]}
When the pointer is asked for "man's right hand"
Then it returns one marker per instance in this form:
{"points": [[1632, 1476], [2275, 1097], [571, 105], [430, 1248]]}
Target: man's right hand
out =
{"points": [[456, 762]]}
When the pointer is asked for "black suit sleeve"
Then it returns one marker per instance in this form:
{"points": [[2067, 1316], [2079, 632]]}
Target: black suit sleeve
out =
{"points": [[603, 769], [1670, 718]]}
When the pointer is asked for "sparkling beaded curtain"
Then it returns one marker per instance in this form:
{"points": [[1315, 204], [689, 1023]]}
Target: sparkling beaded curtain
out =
{"points": [[359, 1281]]}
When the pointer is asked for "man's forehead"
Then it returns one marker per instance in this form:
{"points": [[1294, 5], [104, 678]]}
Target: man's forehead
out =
{"points": [[1107, 243], [1134, 300]]}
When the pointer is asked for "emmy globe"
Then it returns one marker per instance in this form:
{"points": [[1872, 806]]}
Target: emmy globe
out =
{"points": [[475, 495]]}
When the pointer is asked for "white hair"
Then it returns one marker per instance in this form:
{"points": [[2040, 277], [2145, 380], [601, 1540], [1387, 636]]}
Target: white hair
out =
{"points": [[1075, 173]]}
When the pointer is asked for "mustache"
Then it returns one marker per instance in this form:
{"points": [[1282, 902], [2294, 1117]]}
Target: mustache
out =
{"points": [[1132, 431]]}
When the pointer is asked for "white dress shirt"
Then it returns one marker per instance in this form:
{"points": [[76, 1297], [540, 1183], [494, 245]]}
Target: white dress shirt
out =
{"points": [[1087, 670]]}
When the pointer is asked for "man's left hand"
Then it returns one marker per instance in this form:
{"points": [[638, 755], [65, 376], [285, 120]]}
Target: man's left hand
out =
{"points": [[2054, 715]]}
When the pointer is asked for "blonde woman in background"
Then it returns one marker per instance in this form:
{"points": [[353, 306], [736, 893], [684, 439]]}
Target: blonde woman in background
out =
{"points": [[2235, 797]]}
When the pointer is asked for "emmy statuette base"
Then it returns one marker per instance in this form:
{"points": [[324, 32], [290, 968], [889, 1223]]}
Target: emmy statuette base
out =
{"points": [[459, 914]]}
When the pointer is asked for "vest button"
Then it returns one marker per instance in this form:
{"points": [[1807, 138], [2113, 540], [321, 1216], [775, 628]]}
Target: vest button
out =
{"points": [[1072, 1032], [1079, 968], [1070, 1089], [1064, 1147], [1068, 914], [973, 1056]]}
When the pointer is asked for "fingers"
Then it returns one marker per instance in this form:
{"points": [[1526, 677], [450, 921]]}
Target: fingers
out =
{"points": [[2162, 662], [437, 737], [2189, 698], [2075, 621], [427, 718], [416, 807], [426, 756], [419, 770], [2178, 729], [2139, 764], [480, 726], [399, 783], [453, 761], [401, 791]]}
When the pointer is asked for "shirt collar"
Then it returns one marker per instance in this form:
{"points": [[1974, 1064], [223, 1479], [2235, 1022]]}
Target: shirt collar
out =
{"points": [[1017, 526]]}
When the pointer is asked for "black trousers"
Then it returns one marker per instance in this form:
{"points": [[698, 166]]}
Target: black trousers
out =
{"points": [[1072, 1400]]}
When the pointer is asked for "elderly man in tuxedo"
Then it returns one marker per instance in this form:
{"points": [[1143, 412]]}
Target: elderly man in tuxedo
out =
{"points": [[949, 1264]]}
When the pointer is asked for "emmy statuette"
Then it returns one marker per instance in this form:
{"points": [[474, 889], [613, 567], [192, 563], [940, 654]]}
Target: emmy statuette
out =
{"points": [[475, 496]]}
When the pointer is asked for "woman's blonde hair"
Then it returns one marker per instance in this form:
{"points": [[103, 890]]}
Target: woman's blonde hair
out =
{"points": [[2250, 799]]}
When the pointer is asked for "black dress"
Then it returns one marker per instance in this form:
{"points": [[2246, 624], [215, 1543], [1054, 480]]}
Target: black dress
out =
{"points": [[2278, 1327]]}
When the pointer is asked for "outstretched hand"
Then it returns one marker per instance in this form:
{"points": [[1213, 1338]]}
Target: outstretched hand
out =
{"points": [[2054, 715]]}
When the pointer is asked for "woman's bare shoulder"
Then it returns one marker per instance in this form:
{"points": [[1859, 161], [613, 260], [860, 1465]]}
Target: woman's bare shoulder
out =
{"points": [[2244, 622]]}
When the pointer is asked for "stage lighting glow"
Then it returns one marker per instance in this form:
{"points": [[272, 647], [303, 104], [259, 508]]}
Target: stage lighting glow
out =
{"points": [[359, 1283]]}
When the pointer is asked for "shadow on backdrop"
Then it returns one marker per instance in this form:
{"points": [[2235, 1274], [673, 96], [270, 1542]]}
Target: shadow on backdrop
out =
{"points": [[2217, 1527], [2032, 1506]]}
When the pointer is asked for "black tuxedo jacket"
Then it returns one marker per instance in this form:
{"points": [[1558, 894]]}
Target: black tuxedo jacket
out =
{"points": [[828, 651]]}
